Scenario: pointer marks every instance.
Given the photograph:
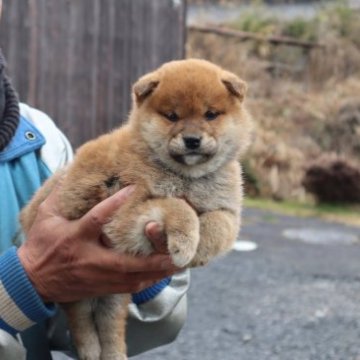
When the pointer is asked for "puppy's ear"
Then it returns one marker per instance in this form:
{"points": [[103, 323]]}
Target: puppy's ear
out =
{"points": [[235, 85], [144, 87]]}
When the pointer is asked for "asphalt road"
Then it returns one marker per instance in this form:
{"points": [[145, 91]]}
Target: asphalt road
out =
{"points": [[287, 300]]}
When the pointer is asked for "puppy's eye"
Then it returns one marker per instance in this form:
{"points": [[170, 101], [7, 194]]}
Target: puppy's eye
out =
{"points": [[211, 115], [173, 116]]}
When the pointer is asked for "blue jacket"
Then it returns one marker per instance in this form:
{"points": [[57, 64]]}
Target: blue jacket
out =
{"points": [[24, 165]]}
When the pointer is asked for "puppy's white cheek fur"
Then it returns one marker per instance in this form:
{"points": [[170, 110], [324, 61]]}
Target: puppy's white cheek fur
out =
{"points": [[176, 145], [230, 142], [154, 136], [209, 145], [241, 134]]}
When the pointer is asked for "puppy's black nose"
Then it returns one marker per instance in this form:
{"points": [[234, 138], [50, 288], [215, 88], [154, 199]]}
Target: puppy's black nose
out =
{"points": [[192, 142]]}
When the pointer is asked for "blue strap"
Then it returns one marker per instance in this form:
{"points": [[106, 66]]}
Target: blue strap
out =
{"points": [[149, 293], [20, 289]]}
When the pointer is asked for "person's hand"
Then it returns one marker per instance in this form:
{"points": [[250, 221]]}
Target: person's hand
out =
{"points": [[67, 260]]}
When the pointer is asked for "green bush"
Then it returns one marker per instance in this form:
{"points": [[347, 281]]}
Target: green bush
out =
{"points": [[301, 29]]}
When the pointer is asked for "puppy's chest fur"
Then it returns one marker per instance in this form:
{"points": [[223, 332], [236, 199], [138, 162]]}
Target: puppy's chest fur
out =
{"points": [[203, 194], [219, 189]]}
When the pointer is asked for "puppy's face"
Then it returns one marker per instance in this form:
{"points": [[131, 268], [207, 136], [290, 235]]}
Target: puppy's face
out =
{"points": [[190, 114]]}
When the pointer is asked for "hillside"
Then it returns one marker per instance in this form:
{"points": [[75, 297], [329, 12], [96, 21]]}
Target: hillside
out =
{"points": [[305, 101]]}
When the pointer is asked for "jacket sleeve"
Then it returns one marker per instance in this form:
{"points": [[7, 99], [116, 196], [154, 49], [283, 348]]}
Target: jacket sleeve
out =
{"points": [[20, 305]]}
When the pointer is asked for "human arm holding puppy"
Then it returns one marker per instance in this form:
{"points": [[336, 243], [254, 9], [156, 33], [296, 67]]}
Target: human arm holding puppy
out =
{"points": [[67, 261]]}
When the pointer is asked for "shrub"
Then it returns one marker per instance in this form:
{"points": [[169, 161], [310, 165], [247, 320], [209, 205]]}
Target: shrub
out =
{"points": [[333, 179], [300, 28]]}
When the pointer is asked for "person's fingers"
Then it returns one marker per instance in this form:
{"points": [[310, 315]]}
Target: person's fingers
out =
{"points": [[99, 215], [124, 263], [155, 233], [156, 262], [103, 265]]}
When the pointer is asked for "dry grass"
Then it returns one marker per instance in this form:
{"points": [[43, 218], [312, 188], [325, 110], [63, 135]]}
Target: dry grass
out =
{"points": [[348, 215], [297, 106]]}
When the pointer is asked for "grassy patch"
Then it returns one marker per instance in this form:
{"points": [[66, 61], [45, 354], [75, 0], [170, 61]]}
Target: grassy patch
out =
{"points": [[346, 214], [337, 18]]}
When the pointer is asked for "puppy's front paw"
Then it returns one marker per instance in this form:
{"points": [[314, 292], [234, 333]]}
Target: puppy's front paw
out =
{"points": [[182, 246]]}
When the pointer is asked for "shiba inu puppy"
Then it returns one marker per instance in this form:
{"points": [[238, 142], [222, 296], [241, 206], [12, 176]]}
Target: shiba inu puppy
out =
{"points": [[180, 147]]}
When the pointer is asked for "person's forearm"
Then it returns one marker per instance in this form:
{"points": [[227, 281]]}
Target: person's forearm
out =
{"points": [[20, 305]]}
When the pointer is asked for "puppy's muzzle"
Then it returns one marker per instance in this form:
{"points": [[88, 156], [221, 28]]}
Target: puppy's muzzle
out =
{"points": [[192, 142], [192, 149]]}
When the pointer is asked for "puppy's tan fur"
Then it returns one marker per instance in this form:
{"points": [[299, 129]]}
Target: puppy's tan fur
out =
{"points": [[195, 194]]}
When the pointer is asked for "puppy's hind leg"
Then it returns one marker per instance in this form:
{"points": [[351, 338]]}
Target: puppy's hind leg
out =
{"points": [[110, 318], [82, 327]]}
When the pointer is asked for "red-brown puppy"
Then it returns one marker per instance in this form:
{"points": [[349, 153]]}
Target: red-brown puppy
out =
{"points": [[180, 147]]}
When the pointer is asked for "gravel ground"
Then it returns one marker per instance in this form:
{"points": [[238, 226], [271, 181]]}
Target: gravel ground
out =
{"points": [[287, 300]]}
